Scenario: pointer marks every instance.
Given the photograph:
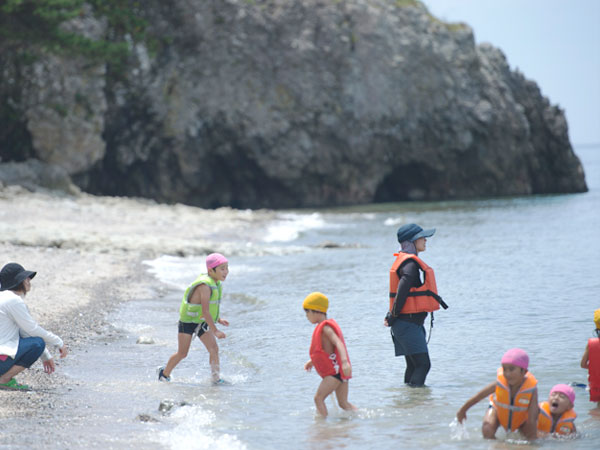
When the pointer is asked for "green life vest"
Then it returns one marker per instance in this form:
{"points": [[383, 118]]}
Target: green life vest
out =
{"points": [[190, 312]]}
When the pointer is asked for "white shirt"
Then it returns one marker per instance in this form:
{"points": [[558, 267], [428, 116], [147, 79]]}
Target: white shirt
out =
{"points": [[16, 322]]}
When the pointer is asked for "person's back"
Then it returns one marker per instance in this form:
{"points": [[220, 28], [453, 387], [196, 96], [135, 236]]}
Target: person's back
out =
{"points": [[594, 368], [591, 361]]}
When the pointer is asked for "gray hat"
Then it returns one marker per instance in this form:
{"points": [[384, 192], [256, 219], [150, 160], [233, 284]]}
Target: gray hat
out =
{"points": [[12, 275], [411, 232]]}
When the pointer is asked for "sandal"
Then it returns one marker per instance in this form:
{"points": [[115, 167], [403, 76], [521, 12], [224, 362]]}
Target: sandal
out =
{"points": [[14, 386], [162, 376]]}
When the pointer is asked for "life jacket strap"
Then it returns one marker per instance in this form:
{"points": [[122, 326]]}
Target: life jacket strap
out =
{"points": [[511, 407], [431, 294]]}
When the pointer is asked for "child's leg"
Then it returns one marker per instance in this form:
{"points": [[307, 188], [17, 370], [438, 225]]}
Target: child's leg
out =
{"points": [[327, 386], [342, 396], [209, 341], [490, 424], [183, 347]]}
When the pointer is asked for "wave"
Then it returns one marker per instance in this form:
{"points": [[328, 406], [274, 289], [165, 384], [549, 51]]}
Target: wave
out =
{"points": [[289, 226]]}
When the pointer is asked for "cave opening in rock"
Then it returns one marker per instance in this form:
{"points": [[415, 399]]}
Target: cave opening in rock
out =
{"points": [[409, 182]]}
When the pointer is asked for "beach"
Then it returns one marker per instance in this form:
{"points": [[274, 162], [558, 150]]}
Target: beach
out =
{"points": [[88, 252], [111, 272]]}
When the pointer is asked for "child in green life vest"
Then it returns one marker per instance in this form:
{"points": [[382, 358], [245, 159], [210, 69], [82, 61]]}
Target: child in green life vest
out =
{"points": [[202, 296]]}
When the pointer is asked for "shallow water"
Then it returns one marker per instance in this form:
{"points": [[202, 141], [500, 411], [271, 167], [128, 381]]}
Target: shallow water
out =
{"points": [[515, 272]]}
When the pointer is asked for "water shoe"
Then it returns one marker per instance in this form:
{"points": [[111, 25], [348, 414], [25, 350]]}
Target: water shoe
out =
{"points": [[162, 376], [221, 382], [14, 386]]}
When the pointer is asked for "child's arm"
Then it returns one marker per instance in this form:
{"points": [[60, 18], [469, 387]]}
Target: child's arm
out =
{"points": [[309, 365], [485, 392], [329, 334], [202, 295], [530, 427], [585, 358]]}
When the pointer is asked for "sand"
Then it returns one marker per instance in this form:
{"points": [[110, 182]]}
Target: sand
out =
{"points": [[88, 253]]}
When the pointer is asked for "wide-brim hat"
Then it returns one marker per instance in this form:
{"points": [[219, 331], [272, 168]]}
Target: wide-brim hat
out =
{"points": [[12, 275], [411, 232]]}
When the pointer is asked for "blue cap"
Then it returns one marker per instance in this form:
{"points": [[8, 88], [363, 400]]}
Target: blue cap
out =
{"points": [[411, 232]]}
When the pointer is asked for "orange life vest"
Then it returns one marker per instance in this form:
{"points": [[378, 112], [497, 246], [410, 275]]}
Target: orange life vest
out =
{"points": [[564, 425], [420, 299], [594, 369], [324, 363], [512, 413]]}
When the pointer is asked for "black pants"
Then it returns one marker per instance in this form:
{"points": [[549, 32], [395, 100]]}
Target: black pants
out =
{"points": [[417, 367]]}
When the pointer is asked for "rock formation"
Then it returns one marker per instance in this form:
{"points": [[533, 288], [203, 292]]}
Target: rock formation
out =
{"points": [[282, 104]]}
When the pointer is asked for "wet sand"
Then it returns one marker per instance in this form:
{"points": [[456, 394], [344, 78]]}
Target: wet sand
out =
{"points": [[88, 253]]}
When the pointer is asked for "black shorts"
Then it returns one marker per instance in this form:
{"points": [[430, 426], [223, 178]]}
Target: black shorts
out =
{"points": [[193, 328]]}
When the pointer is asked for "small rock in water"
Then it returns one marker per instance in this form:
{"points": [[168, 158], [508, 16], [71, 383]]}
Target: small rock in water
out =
{"points": [[331, 244], [167, 405], [146, 418], [145, 340]]}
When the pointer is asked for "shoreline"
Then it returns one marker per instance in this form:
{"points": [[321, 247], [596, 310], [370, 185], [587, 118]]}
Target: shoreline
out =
{"points": [[88, 253]]}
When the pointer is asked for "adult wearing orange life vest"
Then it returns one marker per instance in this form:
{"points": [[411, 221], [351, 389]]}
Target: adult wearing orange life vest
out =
{"points": [[413, 293]]}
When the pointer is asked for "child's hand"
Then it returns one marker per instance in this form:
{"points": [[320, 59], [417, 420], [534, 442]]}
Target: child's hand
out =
{"points": [[308, 365], [346, 369], [219, 334], [461, 415], [223, 322]]}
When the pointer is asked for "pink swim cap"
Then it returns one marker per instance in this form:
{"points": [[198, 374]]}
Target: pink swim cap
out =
{"points": [[516, 357], [564, 389], [215, 259]]}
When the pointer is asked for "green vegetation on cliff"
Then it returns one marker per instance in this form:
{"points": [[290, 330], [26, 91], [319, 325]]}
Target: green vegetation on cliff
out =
{"points": [[45, 24]]}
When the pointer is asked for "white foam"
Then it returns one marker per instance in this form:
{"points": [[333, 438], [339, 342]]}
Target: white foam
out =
{"points": [[289, 226], [193, 431], [393, 221], [175, 270], [458, 431]]}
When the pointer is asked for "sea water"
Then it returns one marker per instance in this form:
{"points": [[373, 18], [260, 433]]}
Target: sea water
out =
{"points": [[516, 272]]}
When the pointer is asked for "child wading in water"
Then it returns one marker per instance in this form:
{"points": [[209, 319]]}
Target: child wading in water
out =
{"points": [[199, 314], [591, 361], [557, 414], [514, 403], [327, 351]]}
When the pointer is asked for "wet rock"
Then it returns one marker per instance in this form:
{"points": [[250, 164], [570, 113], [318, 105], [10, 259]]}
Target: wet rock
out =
{"points": [[34, 174], [331, 244], [146, 418], [166, 406]]}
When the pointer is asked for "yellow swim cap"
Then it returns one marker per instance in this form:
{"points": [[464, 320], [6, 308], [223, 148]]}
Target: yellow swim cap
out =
{"points": [[316, 301], [597, 318]]}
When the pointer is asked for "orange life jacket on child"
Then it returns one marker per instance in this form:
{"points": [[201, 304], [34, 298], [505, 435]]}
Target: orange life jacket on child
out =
{"points": [[419, 299], [324, 363], [564, 425], [594, 369], [512, 413]]}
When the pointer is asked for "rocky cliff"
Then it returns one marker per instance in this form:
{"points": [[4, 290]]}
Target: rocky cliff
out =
{"points": [[276, 104]]}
